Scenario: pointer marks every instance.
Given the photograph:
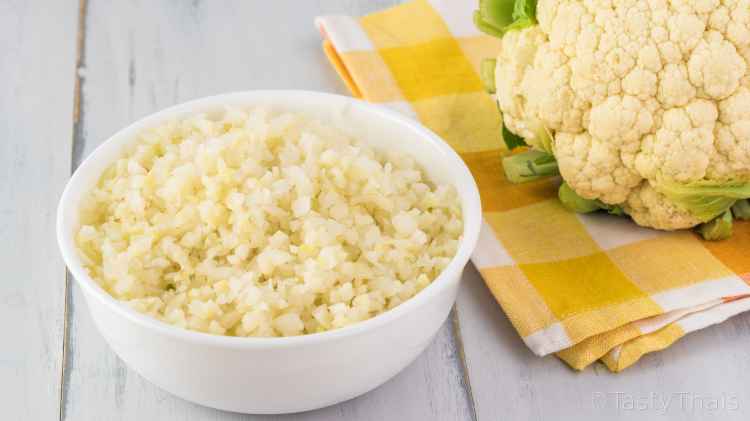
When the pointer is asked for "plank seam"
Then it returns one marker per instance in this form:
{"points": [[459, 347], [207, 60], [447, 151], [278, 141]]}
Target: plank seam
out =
{"points": [[462, 357], [79, 142], [76, 154]]}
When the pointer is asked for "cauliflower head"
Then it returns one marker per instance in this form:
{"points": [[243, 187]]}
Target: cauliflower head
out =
{"points": [[645, 105]]}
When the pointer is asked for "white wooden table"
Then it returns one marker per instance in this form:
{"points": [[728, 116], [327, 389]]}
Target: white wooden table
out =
{"points": [[72, 74]]}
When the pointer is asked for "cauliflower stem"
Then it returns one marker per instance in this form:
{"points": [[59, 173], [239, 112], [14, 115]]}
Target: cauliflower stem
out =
{"points": [[575, 203], [718, 229], [487, 74], [529, 166], [741, 209]]}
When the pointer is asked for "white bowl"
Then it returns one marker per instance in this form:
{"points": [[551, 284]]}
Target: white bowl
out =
{"points": [[289, 374]]}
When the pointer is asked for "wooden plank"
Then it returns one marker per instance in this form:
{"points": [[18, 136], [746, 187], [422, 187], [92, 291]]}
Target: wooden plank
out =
{"points": [[146, 56], [37, 56], [704, 374]]}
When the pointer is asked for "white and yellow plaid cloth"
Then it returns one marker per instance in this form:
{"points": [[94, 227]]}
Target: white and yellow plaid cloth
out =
{"points": [[586, 287]]}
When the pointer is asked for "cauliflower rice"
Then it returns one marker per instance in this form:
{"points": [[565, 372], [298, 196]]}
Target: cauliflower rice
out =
{"points": [[254, 223]]}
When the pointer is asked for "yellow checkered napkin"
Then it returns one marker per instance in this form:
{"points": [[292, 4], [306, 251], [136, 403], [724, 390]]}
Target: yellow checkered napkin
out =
{"points": [[586, 287]]}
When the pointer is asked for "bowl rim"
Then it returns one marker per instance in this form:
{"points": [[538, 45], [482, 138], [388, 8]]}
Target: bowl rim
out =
{"points": [[469, 196]]}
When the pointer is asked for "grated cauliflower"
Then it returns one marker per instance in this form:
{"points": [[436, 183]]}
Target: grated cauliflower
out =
{"points": [[253, 223], [635, 99]]}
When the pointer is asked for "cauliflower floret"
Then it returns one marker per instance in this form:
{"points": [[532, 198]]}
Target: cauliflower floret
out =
{"points": [[715, 67], [650, 208], [681, 148], [637, 94], [520, 47], [731, 157], [593, 166]]}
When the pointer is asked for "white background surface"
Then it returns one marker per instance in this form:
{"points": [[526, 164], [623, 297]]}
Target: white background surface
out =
{"points": [[72, 74]]}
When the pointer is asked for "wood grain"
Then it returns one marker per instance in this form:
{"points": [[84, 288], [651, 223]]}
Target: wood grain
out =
{"points": [[37, 52], [143, 56]]}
